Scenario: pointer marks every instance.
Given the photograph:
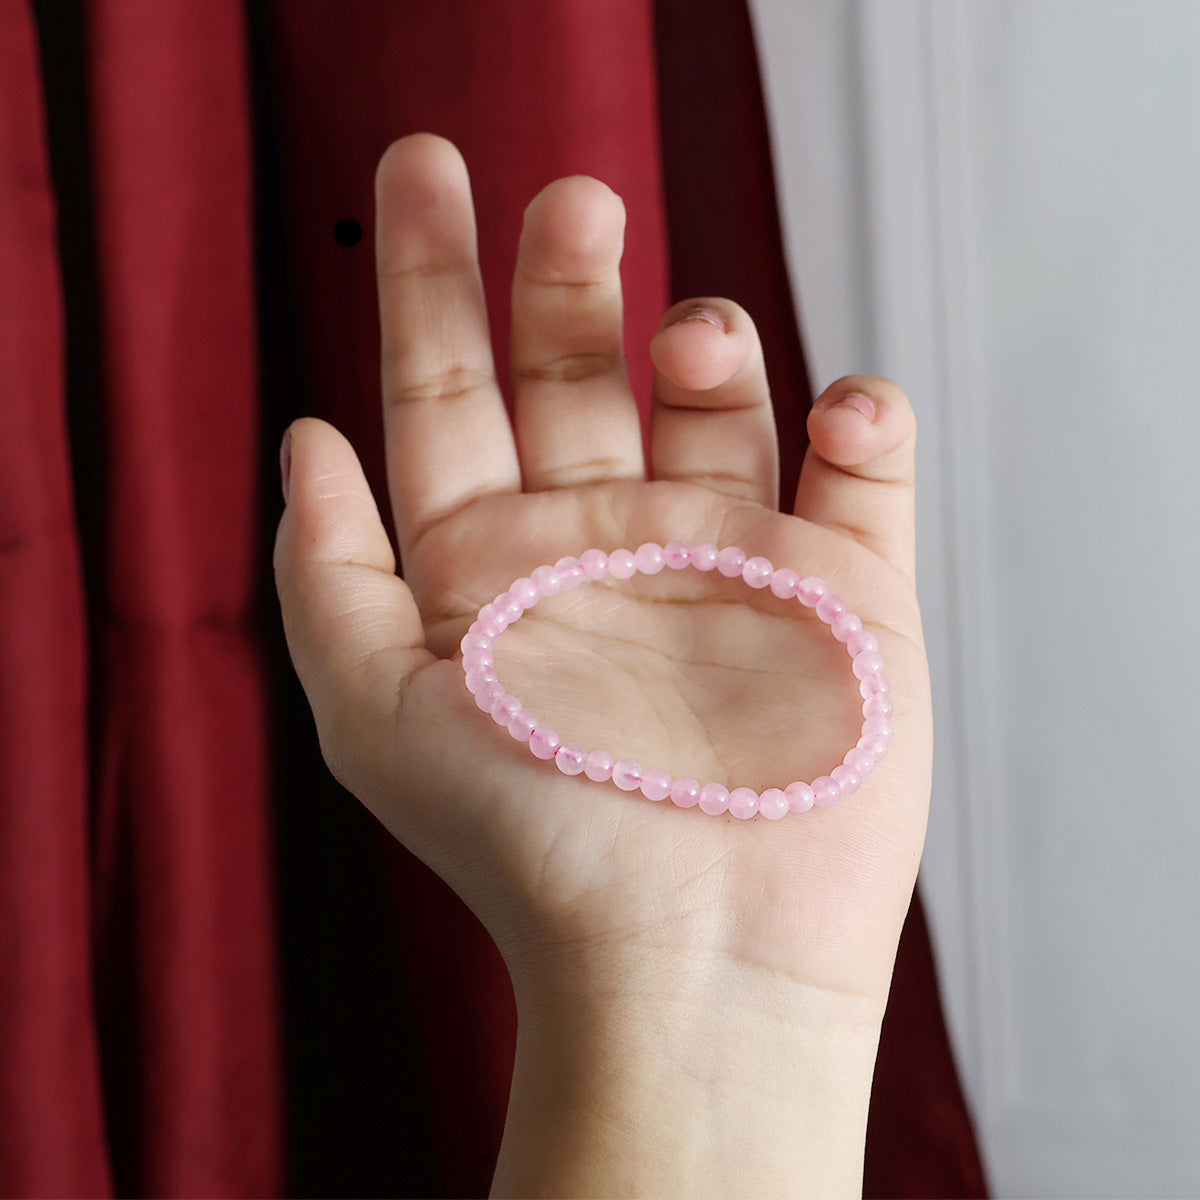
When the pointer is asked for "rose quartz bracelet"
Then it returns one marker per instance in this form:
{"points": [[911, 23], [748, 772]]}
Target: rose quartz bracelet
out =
{"points": [[713, 798]]}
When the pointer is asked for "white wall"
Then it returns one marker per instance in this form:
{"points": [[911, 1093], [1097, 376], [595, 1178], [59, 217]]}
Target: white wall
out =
{"points": [[997, 203]]}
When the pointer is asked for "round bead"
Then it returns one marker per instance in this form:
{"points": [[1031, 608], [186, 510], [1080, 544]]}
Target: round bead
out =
{"points": [[477, 656], [493, 616], [743, 803], [628, 774], [847, 779], [799, 797], [676, 555], [785, 583], [826, 792], [830, 607], [487, 693], [877, 705], [810, 590], [685, 791], [547, 581], [622, 564], [856, 643], [569, 759], [649, 558], [714, 799], [544, 743], [877, 727], [504, 708], [656, 784], [570, 572], [479, 676], [866, 664], [598, 766], [773, 804], [704, 556], [594, 563], [479, 625], [522, 724], [874, 685], [510, 606], [860, 761], [476, 641], [874, 745], [730, 561], [757, 571], [525, 590], [845, 625]]}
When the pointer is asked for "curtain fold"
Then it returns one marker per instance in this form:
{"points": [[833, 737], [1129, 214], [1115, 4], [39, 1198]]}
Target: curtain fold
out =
{"points": [[169, 1024]]}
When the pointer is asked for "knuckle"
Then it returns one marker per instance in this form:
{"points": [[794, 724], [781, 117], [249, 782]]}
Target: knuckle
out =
{"points": [[568, 368], [448, 383]]}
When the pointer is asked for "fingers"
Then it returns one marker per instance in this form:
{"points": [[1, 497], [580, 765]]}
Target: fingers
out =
{"points": [[449, 441], [859, 471], [352, 627], [575, 416], [712, 422]]}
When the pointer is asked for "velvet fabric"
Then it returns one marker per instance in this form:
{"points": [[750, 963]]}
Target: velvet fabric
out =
{"points": [[219, 977]]}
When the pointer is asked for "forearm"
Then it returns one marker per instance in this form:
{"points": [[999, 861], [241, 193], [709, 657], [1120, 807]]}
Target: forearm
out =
{"points": [[686, 1078]]}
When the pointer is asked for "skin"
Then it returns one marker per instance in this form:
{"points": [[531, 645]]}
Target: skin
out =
{"points": [[687, 986]]}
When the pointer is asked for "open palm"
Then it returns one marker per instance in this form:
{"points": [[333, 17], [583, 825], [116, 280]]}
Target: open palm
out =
{"points": [[690, 672]]}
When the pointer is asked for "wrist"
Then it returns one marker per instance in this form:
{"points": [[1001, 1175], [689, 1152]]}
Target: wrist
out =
{"points": [[645, 1072]]}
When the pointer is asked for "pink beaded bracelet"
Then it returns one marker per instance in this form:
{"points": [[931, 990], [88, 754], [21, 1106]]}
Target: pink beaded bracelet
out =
{"points": [[714, 798]]}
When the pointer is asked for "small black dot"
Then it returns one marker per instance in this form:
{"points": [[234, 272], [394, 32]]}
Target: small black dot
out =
{"points": [[347, 232]]}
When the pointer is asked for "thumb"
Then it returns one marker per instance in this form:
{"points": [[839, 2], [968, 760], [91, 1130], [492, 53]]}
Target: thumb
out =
{"points": [[859, 471], [352, 626]]}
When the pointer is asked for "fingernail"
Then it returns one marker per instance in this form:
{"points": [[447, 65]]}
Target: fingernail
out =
{"points": [[285, 462], [862, 403], [702, 314]]}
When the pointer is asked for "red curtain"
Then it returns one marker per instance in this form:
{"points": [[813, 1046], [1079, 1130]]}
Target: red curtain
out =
{"points": [[220, 978]]}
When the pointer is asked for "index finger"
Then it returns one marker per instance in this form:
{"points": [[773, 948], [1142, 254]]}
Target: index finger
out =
{"points": [[448, 437]]}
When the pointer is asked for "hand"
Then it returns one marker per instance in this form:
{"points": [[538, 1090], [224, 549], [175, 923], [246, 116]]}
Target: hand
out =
{"points": [[685, 671]]}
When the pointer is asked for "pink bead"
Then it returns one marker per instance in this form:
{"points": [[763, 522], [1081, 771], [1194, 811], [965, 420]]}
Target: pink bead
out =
{"points": [[525, 590], [757, 571], [493, 616], [860, 761], [730, 561], [478, 677], [704, 556], [685, 791], [598, 766], [622, 564], [785, 583], [570, 572], [810, 591], [830, 607], [799, 797], [476, 641], [874, 745], [481, 625], [544, 743], [714, 799], [826, 792], [844, 626], [649, 558], [488, 692], [743, 803], [877, 727], [656, 785], [676, 555], [847, 779], [874, 685], [504, 709], [876, 705], [773, 804], [477, 656], [547, 581], [594, 563], [856, 643], [522, 724], [866, 664], [569, 759], [510, 606], [628, 774]]}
